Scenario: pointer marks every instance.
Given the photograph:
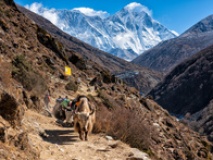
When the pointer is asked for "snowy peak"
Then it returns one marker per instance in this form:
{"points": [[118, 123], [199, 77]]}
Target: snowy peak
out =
{"points": [[126, 34], [91, 12], [137, 8]]}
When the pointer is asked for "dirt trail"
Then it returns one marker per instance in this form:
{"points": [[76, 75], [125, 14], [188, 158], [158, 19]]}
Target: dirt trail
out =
{"points": [[55, 142]]}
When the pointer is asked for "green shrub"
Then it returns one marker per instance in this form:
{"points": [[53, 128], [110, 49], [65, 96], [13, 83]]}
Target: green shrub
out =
{"points": [[24, 73], [9, 108], [106, 76], [71, 86]]}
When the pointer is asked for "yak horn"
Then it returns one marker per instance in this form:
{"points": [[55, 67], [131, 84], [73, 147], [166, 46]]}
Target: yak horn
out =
{"points": [[92, 112]]}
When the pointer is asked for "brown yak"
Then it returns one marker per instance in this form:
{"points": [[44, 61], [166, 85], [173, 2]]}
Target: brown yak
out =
{"points": [[84, 117]]}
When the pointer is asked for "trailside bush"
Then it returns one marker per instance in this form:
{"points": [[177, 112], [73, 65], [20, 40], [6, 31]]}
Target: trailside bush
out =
{"points": [[71, 86], [24, 73], [124, 124]]}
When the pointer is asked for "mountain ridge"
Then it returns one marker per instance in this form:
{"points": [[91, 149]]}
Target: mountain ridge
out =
{"points": [[203, 26], [168, 54], [127, 31]]}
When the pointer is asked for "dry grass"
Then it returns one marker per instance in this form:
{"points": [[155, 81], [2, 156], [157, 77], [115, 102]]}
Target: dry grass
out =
{"points": [[103, 120], [125, 125], [107, 100]]}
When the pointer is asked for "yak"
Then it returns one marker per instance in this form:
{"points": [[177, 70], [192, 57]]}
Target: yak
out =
{"points": [[84, 117]]}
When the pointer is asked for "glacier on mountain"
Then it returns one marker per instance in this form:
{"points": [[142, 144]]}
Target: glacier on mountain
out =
{"points": [[125, 34]]}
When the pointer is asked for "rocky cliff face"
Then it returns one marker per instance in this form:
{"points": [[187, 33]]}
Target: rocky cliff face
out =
{"points": [[32, 61]]}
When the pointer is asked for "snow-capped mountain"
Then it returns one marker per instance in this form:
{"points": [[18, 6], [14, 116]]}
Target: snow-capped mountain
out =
{"points": [[126, 34]]}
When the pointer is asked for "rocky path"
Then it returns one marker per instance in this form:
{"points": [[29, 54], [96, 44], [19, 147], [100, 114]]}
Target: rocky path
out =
{"points": [[62, 143]]}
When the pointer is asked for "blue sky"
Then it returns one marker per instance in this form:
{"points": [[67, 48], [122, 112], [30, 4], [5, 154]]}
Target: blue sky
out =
{"points": [[177, 15]]}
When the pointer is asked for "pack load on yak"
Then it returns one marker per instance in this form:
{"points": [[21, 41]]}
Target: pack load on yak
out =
{"points": [[65, 109], [66, 103], [59, 109]]}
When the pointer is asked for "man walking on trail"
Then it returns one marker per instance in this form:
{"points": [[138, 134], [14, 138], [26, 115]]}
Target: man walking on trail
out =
{"points": [[47, 99]]}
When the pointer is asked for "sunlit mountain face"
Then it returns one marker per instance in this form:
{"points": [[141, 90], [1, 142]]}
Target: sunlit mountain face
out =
{"points": [[126, 34]]}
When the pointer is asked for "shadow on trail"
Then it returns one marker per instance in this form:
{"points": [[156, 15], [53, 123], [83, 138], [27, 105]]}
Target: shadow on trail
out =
{"points": [[60, 137]]}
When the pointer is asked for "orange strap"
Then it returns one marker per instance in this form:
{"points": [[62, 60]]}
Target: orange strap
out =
{"points": [[77, 103]]}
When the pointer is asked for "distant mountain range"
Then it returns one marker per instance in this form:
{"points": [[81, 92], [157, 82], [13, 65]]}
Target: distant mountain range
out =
{"points": [[141, 78], [168, 54], [126, 34]]}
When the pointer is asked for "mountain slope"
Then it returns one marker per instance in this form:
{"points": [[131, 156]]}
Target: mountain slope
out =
{"points": [[144, 80], [201, 121], [32, 62], [166, 55], [188, 88], [126, 34], [204, 26]]}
